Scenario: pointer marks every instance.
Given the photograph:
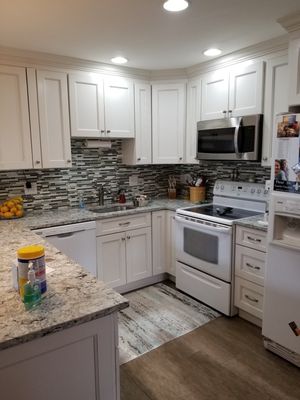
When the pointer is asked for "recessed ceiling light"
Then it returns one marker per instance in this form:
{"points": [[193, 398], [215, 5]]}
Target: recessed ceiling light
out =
{"points": [[176, 5], [119, 60], [212, 52]]}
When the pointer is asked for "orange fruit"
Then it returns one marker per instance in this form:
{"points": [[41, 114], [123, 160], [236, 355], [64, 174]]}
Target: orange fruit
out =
{"points": [[13, 210], [19, 213], [8, 214], [10, 204], [4, 209], [19, 207]]}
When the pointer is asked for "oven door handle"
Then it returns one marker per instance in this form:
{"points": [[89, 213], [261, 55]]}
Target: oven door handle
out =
{"points": [[237, 132], [207, 227]]}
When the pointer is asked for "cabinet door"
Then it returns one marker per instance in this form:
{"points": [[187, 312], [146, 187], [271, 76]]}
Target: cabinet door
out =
{"points": [[15, 139], [119, 108], [171, 243], [168, 123], [246, 89], [54, 119], [276, 101], [139, 150], [159, 242], [111, 259], [214, 102], [138, 254], [86, 105], [294, 72], [193, 116]]}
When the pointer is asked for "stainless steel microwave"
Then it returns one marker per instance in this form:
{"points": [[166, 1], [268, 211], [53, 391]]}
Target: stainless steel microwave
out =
{"points": [[236, 138]]}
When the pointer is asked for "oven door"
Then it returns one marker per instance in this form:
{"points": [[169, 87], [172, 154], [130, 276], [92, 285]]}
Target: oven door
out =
{"points": [[205, 246]]}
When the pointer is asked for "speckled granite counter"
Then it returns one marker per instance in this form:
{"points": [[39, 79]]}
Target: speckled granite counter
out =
{"points": [[73, 296], [35, 220], [252, 222]]}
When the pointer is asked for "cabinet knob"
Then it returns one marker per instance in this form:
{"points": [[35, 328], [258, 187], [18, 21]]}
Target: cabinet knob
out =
{"points": [[265, 158], [69, 161], [37, 162], [123, 239], [128, 237], [108, 131], [229, 112], [139, 159], [102, 130], [180, 158], [224, 112]]}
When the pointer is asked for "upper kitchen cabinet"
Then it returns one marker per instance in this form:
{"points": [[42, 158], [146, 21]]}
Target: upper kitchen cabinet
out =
{"points": [[294, 72], [34, 119], [15, 139], [139, 150], [214, 103], [168, 122], [193, 116], [276, 101], [233, 92], [101, 107], [53, 110]]}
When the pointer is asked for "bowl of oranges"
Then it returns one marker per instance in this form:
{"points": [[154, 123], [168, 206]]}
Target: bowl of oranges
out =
{"points": [[12, 208]]}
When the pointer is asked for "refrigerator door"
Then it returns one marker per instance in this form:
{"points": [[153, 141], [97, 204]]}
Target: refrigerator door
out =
{"points": [[281, 315]]}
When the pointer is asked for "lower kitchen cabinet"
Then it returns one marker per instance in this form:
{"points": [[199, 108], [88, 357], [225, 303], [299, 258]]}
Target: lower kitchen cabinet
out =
{"points": [[126, 256], [171, 242], [250, 257]]}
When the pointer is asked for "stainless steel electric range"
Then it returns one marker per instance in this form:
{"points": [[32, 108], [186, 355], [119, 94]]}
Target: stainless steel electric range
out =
{"points": [[204, 242]]}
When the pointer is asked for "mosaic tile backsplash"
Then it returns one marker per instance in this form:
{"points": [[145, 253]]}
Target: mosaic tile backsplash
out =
{"points": [[61, 188]]}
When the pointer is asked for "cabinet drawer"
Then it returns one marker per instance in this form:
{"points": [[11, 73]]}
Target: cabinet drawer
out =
{"points": [[253, 238], [250, 264], [249, 297], [121, 224]]}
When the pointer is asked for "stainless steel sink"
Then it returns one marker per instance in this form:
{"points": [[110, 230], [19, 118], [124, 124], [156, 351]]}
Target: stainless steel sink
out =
{"points": [[112, 208]]}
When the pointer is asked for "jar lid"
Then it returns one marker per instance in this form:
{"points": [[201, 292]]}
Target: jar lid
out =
{"points": [[32, 251]]}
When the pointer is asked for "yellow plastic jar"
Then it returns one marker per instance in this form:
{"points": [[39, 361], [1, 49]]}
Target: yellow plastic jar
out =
{"points": [[36, 255]]}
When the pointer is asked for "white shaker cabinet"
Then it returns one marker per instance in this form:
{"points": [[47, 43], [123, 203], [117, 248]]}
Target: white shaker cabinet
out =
{"points": [[138, 254], [101, 107], [294, 72], [168, 122], [53, 108], [171, 243], [15, 138], [86, 105], [234, 91], [276, 101], [193, 116], [159, 242], [246, 89], [214, 103], [138, 151]]}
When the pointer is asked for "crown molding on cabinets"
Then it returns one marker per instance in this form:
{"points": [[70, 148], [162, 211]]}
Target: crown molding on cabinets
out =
{"points": [[17, 57], [290, 22], [168, 74], [261, 49]]}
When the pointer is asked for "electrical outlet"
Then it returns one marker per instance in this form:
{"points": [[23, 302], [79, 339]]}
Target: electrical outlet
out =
{"points": [[30, 188], [133, 180]]}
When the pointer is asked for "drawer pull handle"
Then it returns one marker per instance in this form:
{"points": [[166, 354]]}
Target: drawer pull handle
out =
{"points": [[253, 239], [251, 298], [253, 266], [124, 223]]}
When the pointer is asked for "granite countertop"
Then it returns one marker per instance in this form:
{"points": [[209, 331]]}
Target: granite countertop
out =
{"points": [[253, 222], [44, 219], [73, 295]]}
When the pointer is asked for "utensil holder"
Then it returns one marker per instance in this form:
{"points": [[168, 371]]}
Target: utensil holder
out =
{"points": [[172, 193], [197, 194]]}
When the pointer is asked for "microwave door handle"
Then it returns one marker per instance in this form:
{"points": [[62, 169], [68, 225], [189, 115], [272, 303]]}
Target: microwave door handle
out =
{"points": [[236, 138], [203, 226]]}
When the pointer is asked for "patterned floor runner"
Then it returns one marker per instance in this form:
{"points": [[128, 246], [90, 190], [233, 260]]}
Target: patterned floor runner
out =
{"points": [[158, 314]]}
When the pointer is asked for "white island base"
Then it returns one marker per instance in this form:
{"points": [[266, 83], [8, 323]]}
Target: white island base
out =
{"points": [[78, 363]]}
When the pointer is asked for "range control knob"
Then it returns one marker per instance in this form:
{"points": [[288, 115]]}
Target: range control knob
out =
{"points": [[252, 190], [258, 191], [222, 187], [217, 187]]}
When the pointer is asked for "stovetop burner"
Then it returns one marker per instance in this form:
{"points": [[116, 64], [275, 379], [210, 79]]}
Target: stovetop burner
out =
{"points": [[228, 213]]}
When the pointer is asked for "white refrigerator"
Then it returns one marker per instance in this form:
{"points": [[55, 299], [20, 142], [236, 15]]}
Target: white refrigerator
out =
{"points": [[281, 317]]}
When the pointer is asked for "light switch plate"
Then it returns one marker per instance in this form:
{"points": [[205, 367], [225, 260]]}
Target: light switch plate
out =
{"points": [[32, 190]]}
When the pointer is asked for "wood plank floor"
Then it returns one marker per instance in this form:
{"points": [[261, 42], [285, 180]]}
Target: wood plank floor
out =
{"points": [[224, 359]]}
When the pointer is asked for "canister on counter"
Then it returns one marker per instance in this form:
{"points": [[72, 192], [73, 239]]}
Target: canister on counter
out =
{"points": [[35, 254]]}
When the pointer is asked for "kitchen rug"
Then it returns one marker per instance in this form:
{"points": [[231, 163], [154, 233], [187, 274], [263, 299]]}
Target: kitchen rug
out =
{"points": [[156, 315]]}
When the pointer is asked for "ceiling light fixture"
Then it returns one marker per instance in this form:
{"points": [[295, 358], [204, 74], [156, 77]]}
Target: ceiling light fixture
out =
{"points": [[119, 60], [212, 52], [176, 5]]}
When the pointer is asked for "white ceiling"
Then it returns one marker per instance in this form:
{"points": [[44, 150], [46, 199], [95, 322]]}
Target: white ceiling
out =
{"points": [[140, 30]]}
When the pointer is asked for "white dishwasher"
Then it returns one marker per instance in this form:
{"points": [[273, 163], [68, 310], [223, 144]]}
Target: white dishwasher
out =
{"points": [[77, 241]]}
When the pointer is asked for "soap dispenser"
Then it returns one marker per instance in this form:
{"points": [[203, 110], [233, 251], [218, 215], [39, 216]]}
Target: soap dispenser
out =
{"points": [[32, 290]]}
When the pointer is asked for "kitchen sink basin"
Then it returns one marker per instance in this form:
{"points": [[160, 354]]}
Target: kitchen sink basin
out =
{"points": [[104, 209]]}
